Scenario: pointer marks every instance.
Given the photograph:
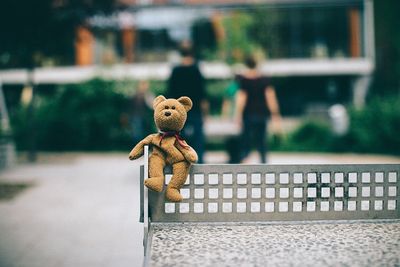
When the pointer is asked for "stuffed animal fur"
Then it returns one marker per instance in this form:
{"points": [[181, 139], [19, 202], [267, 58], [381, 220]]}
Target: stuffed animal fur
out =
{"points": [[168, 147]]}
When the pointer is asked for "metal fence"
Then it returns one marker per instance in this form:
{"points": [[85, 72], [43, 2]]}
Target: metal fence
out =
{"points": [[240, 193]]}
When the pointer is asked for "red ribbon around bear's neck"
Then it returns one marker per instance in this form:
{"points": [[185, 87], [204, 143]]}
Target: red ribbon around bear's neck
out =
{"points": [[177, 136]]}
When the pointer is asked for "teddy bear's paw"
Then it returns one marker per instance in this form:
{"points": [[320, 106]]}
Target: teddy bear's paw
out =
{"points": [[192, 158], [173, 194], [155, 183], [135, 154]]}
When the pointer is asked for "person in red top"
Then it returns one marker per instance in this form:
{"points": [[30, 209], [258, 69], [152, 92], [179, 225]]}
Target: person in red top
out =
{"points": [[256, 101]]}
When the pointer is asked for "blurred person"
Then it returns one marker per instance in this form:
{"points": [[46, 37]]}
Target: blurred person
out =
{"points": [[232, 144], [228, 103], [187, 80], [256, 101], [141, 112], [229, 100]]}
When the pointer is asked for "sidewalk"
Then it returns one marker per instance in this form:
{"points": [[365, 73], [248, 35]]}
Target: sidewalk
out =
{"points": [[83, 209], [82, 212]]}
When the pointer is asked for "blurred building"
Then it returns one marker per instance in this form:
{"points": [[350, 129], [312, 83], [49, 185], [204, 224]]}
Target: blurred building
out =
{"points": [[319, 52], [149, 30], [323, 48]]}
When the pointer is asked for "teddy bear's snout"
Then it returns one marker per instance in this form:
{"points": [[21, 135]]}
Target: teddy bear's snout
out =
{"points": [[167, 113]]}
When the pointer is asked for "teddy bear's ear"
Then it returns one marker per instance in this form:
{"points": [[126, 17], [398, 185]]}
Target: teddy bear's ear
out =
{"points": [[158, 100], [186, 102]]}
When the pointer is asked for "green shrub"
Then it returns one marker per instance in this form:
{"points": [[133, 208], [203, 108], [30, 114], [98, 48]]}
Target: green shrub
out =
{"points": [[87, 116], [312, 136], [376, 127], [309, 136], [77, 117]]}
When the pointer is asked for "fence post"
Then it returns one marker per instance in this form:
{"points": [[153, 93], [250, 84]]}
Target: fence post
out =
{"points": [[7, 149], [31, 118], [145, 198]]}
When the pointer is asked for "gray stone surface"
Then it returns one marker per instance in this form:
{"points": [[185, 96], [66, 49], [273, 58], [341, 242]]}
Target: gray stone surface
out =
{"points": [[309, 244]]}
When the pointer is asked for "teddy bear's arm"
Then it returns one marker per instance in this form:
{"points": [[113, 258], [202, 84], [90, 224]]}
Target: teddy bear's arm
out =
{"points": [[138, 150], [189, 153]]}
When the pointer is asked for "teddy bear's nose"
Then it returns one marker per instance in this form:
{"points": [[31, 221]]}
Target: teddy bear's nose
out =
{"points": [[167, 113]]}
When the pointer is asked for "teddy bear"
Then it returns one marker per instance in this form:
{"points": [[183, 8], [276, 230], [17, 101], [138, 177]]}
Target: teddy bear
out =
{"points": [[168, 148]]}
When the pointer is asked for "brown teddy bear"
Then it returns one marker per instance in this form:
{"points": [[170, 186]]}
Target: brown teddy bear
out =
{"points": [[168, 147]]}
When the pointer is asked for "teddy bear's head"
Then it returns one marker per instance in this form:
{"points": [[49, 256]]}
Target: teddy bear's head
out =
{"points": [[170, 114]]}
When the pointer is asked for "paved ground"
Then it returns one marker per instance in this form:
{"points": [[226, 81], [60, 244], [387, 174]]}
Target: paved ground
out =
{"points": [[83, 209], [82, 212]]}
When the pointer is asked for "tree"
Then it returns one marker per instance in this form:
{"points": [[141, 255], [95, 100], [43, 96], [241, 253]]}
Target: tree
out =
{"points": [[265, 29], [387, 24]]}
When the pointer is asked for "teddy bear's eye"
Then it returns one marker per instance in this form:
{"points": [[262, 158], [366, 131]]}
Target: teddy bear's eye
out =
{"points": [[173, 107], [166, 107]]}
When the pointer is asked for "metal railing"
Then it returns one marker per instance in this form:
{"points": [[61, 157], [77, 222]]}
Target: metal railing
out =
{"points": [[242, 193]]}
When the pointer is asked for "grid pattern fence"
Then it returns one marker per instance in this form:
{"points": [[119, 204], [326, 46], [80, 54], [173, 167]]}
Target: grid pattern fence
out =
{"points": [[240, 193]]}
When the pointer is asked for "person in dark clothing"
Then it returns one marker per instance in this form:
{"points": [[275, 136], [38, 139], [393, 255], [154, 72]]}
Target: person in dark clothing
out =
{"points": [[256, 102], [187, 80]]}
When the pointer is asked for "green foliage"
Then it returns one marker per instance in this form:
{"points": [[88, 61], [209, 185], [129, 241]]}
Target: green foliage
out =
{"points": [[237, 43], [387, 23], [312, 135], [309, 136], [78, 117], [376, 128], [265, 31], [158, 87], [90, 116], [216, 92]]}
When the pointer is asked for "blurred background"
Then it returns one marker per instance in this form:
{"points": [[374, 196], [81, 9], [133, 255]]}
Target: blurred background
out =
{"points": [[69, 69], [77, 79]]}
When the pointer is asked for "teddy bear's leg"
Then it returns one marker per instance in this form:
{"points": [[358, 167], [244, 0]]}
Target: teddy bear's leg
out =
{"points": [[156, 173], [180, 171]]}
